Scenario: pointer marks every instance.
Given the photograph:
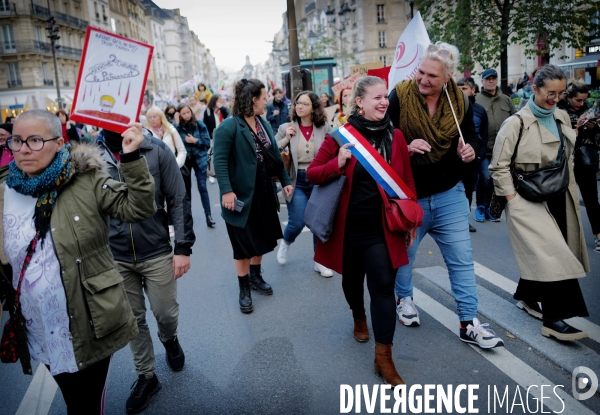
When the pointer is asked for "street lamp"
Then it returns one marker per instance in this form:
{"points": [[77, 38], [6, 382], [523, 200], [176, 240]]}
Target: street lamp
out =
{"points": [[344, 19], [53, 36], [412, 5], [312, 41]]}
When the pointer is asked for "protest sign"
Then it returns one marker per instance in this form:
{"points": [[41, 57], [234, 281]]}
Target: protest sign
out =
{"points": [[382, 73], [346, 83], [111, 82], [364, 67], [409, 50]]}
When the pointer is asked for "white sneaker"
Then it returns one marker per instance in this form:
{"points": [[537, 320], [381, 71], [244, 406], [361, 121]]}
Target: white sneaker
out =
{"points": [[407, 312], [325, 272], [480, 335], [282, 253], [211, 179]]}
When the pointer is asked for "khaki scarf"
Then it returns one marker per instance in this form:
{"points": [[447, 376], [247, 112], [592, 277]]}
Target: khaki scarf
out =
{"points": [[416, 122]]}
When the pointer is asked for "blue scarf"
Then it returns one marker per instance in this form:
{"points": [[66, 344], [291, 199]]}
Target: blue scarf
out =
{"points": [[545, 117], [44, 187]]}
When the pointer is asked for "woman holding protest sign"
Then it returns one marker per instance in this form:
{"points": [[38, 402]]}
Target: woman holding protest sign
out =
{"points": [[55, 207], [360, 242]]}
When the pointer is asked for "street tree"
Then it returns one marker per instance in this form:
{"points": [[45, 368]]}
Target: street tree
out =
{"points": [[483, 29]]}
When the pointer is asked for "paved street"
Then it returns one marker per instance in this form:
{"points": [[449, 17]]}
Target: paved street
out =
{"points": [[295, 350]]}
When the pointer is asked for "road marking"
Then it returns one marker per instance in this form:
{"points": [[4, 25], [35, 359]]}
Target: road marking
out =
{"points": [[500, 281], [523, 374], [40, 393], [303, 230], [524, 327]]}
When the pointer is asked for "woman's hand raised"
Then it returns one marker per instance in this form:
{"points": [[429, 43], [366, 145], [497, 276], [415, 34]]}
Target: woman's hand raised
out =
{"points": [[132, 137]]}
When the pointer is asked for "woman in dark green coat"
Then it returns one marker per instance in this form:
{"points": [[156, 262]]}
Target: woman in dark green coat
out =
{"points": [[241, 143]]}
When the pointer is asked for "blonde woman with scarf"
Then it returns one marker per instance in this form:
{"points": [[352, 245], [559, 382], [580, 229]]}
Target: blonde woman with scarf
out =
{"points": [[164, 131], [423, 110]]}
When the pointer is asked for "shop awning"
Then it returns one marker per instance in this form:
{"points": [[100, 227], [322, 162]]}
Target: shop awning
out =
{"points": [[589, 61], [8, 99]]}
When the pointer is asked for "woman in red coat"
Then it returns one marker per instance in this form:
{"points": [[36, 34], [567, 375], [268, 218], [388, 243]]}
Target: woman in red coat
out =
{"points": [[360, 242]]}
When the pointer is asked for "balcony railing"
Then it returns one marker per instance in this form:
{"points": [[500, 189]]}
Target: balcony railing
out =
{"points": [[62, 18], [9, 9], [14, 83], [35, 46], [48, 82], [9, 46]]}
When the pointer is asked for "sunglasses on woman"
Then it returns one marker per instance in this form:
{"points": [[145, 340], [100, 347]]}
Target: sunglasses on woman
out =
{"points": [[442, 53]]}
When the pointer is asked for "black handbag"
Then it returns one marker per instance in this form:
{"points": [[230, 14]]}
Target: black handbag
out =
{"points": [[542, 184]]}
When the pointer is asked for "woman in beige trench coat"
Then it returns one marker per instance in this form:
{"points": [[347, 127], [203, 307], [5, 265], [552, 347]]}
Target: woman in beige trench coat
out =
{"points": [[547, 237]]}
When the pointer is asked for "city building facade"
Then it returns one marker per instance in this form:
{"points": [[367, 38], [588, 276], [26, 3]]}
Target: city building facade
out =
{"points": [[27, 71]]}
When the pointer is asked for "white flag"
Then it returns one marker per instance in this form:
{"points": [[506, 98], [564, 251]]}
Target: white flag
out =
{"points": [[411, 46]]}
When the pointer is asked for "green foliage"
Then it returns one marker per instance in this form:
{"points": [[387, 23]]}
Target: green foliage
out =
{"points": [[482, 29]]}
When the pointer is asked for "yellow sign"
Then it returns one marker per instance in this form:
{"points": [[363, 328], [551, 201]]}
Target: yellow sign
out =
{"points": [[364, 68]]}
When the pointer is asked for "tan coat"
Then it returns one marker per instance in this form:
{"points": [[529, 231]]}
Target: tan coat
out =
{"points": [[318, 135], [538, 244]]}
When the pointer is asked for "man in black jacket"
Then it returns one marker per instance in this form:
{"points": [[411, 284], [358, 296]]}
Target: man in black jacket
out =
{"points": [[147, 262]]}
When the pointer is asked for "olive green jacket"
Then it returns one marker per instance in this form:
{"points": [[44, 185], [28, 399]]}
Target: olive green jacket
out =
{"points": [[101, 320], [235, 165]]}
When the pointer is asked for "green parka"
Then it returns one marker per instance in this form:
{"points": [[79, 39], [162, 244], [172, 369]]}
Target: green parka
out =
{"points": [[101, 320]]}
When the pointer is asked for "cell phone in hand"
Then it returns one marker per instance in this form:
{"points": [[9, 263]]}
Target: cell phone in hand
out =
{"points": [[238, 205]]}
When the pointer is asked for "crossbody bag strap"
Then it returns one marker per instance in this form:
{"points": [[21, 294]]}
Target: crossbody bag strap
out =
{"points": [[375, 164], [514, 156], [30, 251]]}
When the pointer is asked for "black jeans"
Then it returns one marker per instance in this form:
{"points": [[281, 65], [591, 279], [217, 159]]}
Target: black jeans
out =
{"points": [[84, 391], [374, 260], [585, 176]]}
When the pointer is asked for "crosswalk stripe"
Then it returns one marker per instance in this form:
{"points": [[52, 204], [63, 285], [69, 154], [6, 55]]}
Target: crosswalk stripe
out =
{"points": [[526, 328], [523, 374], [40, 393], [500, 281]]}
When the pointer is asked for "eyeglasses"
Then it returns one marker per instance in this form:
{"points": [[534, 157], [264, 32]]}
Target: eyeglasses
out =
{"points": [[34, 142], [304, 104], [442, 53], [553, 95]]}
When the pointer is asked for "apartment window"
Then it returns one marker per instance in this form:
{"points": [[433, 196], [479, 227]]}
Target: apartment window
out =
{"points": [[63, 73], [14, 78], [383, 60], [381, 13], [96, 11], [104, 14], [382, 42], [45, 71], [4, 5], [9, 39], [113, 25], [39, 34]]}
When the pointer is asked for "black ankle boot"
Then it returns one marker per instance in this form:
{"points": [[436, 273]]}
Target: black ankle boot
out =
{"points": [[257, 283], [210, 222], [245, 295]]}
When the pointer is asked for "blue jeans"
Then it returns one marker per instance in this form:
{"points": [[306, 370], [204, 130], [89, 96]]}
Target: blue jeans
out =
{"points": [[296, 209], [201, 177], [485, 184], [446, 220]]}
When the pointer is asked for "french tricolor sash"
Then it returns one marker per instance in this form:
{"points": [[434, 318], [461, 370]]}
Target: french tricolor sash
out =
{"points": [[375, 164]]}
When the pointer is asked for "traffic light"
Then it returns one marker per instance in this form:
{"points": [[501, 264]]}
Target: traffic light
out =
{"points": [[306, 82], [52, 31]]}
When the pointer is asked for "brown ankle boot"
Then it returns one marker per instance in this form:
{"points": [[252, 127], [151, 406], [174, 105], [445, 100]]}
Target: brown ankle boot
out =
{"points": [[361, 331], [384, 365]]}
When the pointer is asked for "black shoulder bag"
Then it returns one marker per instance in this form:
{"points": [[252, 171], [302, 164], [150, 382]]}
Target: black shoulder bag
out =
{"points": [[543, 184]]}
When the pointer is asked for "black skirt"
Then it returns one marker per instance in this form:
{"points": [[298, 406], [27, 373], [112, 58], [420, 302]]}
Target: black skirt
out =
{"points": [[560, 299], [263, 228]]}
